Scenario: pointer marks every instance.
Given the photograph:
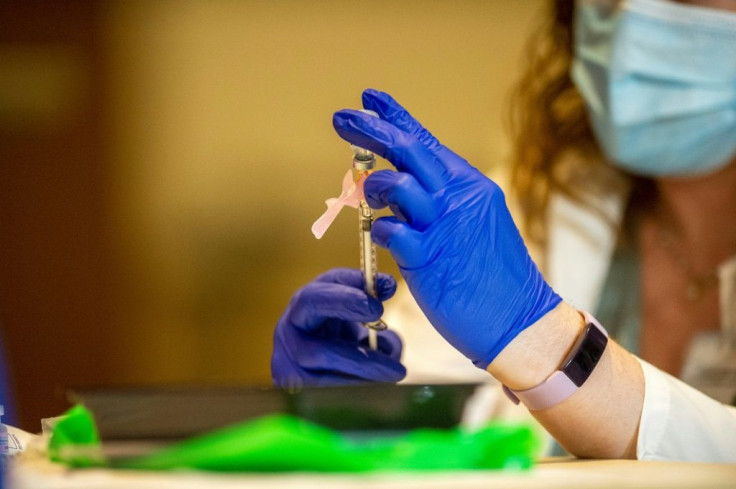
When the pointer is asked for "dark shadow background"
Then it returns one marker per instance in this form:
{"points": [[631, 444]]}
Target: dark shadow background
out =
{"points": [[161, 164]]}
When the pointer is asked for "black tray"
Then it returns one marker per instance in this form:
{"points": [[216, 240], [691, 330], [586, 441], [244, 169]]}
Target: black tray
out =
{"points": [[170, 413]]}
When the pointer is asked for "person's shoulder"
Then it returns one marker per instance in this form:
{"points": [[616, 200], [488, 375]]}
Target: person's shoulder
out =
{"points": [[590, 193], [582, 232]]}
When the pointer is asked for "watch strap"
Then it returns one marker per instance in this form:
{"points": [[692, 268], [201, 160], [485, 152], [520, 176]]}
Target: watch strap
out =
{"points": [[575, 370]]}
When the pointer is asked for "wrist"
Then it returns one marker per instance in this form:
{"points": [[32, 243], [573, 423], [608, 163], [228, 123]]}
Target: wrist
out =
{"points": [[539, 350]]}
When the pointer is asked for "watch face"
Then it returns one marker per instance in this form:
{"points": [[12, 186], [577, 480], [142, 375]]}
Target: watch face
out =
{"points": [[591, 349]]}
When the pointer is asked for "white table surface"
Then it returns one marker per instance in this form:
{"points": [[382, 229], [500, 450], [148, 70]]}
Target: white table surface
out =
{"points": [[37, 473]]}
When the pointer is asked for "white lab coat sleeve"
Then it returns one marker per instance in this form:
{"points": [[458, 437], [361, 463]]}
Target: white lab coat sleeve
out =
{"points": [[681, 423]]}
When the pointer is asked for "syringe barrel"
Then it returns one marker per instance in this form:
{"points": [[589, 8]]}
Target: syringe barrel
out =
{"points": [[368, 259], [367, 248], [364, 161]]}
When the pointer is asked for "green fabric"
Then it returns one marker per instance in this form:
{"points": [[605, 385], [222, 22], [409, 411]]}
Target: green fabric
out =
{"points": [[282, 443], [74, 439]]}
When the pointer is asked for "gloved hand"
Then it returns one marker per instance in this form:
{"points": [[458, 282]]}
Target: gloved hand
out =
{"points": [[319, 339], [453, 237]]}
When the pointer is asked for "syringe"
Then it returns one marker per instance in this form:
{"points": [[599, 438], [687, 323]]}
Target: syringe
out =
{"points": [[363, 162]]}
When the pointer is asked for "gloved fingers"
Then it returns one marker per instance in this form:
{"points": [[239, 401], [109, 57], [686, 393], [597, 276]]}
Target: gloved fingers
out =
{"points": [[284, 372], [305, 360], [351, 277], [404, 243], [317, 302], [389, 343], [402, 149], [390, 110], [408, 200], [348, 360]]}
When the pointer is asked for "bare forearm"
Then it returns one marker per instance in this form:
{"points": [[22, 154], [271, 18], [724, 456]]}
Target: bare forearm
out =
{"points": [[601, 419]]}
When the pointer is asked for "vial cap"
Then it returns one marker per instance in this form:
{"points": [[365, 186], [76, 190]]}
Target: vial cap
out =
{"points": [[363, 159]]}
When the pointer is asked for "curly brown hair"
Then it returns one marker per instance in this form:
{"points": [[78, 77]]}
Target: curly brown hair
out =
{"points": [[554, 149]]}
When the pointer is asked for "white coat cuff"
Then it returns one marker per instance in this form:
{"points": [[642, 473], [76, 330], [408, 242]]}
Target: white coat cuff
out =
{"points": [[681, 423], [655, 413]]}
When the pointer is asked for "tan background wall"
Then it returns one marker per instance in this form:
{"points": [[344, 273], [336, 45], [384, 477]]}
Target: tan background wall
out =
{"points": [[220, 153]]}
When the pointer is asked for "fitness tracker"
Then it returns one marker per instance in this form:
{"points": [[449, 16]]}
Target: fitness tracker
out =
{"points": [[575, 370]]}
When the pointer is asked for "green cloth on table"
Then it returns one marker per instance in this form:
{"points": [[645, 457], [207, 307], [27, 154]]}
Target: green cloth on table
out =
{"points": [[283, 443]]}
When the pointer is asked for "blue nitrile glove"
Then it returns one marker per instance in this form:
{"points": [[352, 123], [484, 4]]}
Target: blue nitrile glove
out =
{"points": [[319, 339], [453, 237]]}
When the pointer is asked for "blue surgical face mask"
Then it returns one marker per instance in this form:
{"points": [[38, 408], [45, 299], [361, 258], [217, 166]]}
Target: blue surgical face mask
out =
{"points": [[659, 81]]}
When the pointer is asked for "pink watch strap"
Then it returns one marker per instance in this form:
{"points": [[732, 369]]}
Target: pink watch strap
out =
{"points": [[558, 386]]}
